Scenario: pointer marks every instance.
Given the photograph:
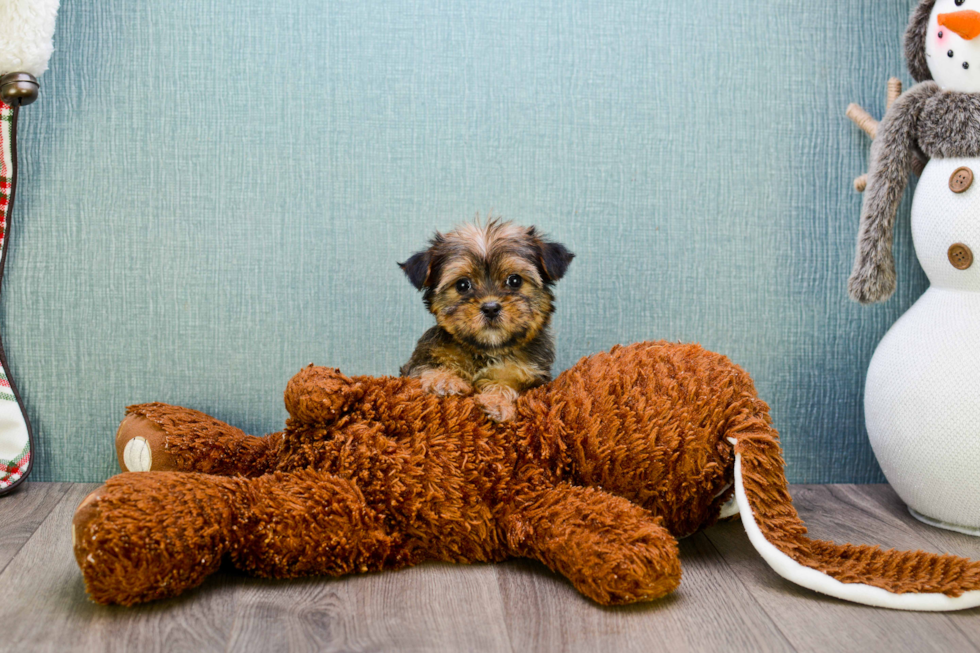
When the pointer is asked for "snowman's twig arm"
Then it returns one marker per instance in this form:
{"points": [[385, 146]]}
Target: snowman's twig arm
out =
{"points": [[892, 159]]}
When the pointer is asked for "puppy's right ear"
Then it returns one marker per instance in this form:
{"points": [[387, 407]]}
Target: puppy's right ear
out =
{"points": [[417, 269]]}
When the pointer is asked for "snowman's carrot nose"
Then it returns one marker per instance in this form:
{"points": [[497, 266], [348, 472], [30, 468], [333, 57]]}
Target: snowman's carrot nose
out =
{"points": [[964, 23]]}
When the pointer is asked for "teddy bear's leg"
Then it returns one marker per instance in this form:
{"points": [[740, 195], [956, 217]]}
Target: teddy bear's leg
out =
{"points": [[162, 438], [141, 537], [314, 523], [611, 550]]}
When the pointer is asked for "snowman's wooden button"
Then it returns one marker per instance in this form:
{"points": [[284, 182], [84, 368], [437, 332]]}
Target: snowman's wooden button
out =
{"points": [[960, 256], [961, 180]]}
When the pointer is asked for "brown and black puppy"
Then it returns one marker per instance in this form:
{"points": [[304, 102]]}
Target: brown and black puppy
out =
{"points": [[489, 287]]}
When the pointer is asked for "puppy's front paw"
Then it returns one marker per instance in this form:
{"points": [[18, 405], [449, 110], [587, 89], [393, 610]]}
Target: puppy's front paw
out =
{"points": [[443, 382], [499, 406]]}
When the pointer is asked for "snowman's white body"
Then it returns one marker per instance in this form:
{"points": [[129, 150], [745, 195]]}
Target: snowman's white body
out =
{"points": [[922, 396]]}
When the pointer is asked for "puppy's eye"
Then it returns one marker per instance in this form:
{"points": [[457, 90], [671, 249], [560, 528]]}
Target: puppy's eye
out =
{"points": [[463, 286], [514, 281]]}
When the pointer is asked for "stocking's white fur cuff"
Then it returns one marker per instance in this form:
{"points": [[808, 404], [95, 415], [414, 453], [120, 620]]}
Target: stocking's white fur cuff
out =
{"points": [[26, 28]]}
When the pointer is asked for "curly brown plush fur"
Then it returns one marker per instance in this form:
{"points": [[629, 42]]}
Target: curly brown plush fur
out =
{"points": [[596, 476]]}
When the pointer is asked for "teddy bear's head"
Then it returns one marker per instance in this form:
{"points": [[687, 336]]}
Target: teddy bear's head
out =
{"points": [[319, 395]]}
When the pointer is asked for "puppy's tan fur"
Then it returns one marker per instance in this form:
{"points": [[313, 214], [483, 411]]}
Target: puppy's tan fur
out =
{"points": [[466, 275]]}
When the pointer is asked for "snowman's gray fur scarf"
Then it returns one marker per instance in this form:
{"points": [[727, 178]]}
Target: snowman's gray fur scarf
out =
{"points": [[937, 123], [915, 41]]}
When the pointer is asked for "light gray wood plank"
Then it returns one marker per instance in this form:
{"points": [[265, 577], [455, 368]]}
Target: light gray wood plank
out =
{"points": [[881, 501], [432, 607], [813, 622], [22, 511], [711, 611], [50, 605], [729, 600], [52, 612]]}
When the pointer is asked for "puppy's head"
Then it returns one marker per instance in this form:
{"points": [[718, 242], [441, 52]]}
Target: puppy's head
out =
{"points": [[489, 285]]}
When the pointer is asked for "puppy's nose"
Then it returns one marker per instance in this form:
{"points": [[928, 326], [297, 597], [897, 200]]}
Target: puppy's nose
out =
{"points": [[491, 309]]}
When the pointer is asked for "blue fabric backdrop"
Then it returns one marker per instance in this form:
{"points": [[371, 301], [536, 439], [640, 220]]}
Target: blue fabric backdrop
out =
{"points": [[215, 193]]}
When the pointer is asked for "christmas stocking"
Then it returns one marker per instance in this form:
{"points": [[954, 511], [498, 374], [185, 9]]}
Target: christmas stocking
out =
{"points": [[26, 28], [15, 433]]}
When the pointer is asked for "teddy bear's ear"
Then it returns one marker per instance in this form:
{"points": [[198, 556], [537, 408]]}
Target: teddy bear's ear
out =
{"points": [[320, 395]]}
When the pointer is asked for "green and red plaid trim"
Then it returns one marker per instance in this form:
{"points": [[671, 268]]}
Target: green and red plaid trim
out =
{"points": [[12, 470], [6, 167], [6, 393]]}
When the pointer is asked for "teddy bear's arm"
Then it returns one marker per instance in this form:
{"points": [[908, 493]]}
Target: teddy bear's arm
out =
{"points": [[159, 437], [612, 550]]}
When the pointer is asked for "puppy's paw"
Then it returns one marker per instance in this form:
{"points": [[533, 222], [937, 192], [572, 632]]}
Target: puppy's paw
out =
{"points": [[443, 383], [500, 406]]}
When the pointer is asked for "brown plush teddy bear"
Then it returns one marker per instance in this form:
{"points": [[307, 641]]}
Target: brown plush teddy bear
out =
{"points": [[596, 476]]}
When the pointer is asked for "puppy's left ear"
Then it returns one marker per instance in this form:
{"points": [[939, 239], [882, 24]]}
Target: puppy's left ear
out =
{"points": [[553, 259]]}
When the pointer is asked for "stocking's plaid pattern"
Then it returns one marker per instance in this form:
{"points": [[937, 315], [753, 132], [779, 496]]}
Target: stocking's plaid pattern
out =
{"points": [[12, 470], [6, 165], [15, 448]]}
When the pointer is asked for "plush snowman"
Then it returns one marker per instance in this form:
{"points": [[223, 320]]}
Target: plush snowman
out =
{"points": [[922, 397]]}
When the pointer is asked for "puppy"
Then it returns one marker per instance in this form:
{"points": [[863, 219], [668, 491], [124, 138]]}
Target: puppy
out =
{"points": [[489, 288]]}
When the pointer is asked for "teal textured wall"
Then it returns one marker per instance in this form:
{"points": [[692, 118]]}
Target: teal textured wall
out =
{"points": [[215, 193]]}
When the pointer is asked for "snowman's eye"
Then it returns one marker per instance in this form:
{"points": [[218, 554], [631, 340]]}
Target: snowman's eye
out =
{"points": [[959, 3]]}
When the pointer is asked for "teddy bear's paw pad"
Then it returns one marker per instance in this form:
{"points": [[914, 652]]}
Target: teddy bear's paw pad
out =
{"points": [[141, 446], [137, 455]]}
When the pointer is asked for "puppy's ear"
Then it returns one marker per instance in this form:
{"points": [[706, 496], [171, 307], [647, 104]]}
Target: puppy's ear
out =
{"points": [[418, 268], [553, 258]]}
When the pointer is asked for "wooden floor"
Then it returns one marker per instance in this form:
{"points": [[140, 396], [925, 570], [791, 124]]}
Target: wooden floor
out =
{"points": [[729, 599]]}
